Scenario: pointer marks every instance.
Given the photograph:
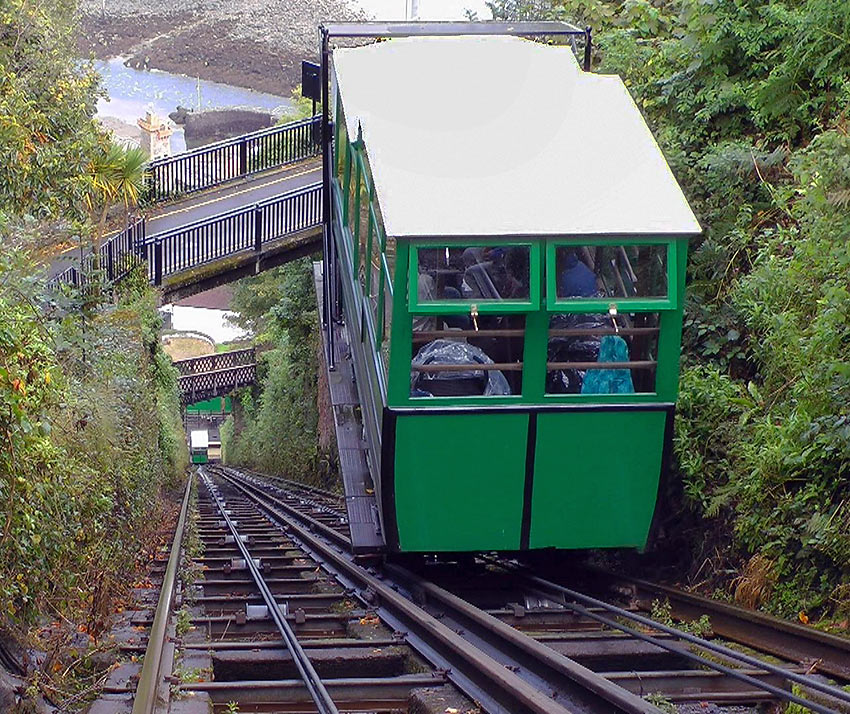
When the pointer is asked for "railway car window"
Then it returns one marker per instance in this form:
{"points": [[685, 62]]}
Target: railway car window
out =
{"points": [[611, 271], [454, 357], [591, 353], [472, 274]]}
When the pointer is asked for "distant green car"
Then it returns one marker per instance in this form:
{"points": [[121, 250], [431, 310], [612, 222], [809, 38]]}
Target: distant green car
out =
{"points": [[511, 247], [199, 443]]}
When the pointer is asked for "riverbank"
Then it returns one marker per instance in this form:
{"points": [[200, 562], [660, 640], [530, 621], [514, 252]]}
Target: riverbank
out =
{"points": [[248, 43]]}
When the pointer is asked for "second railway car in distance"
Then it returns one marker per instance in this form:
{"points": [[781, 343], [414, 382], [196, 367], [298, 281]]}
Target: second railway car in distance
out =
{"points": [[199, 443], [510, 245]]}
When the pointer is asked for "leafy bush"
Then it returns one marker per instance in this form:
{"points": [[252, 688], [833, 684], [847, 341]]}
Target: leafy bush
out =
{"points": [[275, 428], [748, 102], [91, 426]]}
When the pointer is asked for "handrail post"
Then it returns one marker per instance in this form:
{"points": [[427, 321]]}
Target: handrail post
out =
{"points": [[157, 262], [243, 157], [258, 228], [110, 260]]}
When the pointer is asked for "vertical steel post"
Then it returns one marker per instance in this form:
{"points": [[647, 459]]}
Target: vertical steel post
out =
{"points": [[243, 157], [588, 44], [328, 268], [110, 260], [157, 263], [258, 228]]}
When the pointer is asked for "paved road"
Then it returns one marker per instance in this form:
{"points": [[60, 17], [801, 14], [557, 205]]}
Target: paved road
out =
{"points": [[214, 201]]}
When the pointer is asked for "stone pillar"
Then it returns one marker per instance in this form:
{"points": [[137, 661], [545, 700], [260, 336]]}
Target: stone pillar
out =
{"points": [[156, 135]]}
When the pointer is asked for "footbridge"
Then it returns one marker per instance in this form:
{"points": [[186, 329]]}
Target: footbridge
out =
{"points": [[215, 375], [216, 214]]}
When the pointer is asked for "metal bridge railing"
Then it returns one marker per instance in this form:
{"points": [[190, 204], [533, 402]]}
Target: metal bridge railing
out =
{"points": [[214, 164], [205, 385], [213, 362], [229, 233], [116, 258]]}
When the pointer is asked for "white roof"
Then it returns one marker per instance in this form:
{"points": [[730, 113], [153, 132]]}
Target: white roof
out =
{"points": [[199, 438], [504, 136]]}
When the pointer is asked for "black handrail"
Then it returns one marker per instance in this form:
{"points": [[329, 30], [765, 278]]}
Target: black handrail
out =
{"points": [[199, 242], [205, 385], [116, 258], [223, 161], [232, 232]]}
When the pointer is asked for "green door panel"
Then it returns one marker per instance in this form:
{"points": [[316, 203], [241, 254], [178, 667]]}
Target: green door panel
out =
{"points": [[459, 481], [595, 478]]}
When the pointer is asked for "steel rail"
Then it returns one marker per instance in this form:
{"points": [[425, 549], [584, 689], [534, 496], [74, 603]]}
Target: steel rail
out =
{"points": [[312, 523], [294, 484], [312, 681], [150, 677], [755, 629], [561, 665], [302, 493], [476, 673], [546, 587]]}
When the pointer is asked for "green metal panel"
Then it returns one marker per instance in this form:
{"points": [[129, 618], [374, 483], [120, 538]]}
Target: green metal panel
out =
{"points": [[211, 405], [199, 458], [459, 481], [537, 324], [595, 478]]}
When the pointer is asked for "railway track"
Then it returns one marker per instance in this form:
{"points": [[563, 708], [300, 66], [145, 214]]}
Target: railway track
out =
{"points": [[285, 619]]}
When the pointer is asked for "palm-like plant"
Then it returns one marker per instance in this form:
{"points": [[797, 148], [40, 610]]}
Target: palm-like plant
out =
{"points": [[115, 174]]}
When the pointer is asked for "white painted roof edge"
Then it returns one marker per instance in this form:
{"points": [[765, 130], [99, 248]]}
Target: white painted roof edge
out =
{"points": [[621, 186]]}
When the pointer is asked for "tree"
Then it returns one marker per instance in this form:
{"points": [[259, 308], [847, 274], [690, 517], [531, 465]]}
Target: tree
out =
{"points": [[114, 175], [47, 103]]}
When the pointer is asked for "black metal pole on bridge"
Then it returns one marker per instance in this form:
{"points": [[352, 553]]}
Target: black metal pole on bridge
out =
{"points": [[157, 263], [258, 230]]}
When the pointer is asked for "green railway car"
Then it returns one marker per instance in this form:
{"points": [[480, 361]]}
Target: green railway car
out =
{"points": [[199, 443], [507, 247]]}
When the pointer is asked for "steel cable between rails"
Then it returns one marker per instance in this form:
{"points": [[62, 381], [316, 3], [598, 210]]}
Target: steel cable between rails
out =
{"points": [[312, 681]]}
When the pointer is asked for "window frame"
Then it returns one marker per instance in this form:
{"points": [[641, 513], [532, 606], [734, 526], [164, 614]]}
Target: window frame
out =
{"points": [[555, 304], [487, 306]]}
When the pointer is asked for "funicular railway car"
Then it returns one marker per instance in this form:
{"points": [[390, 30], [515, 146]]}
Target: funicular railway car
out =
{"points": [[509, 247], [199, 443]]}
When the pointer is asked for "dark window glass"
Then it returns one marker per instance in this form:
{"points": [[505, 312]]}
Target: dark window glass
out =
{"points": [[582, 344], [611, 271], [473, 273], [457, 356]]}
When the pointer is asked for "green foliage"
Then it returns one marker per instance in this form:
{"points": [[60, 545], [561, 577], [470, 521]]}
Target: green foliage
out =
{"points": [[114, 174], [89, 415], [748, 102], [302, 107], [662, 612], [184, 622], [47, 104], [663, 703], [276, 432]]}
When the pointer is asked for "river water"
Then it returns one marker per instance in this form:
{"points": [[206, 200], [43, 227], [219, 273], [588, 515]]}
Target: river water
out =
{"points": [[133, 91]]}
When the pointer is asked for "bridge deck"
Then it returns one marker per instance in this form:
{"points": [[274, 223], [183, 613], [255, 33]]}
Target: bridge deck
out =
{"points": [[194, 237], [214, 375]]}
